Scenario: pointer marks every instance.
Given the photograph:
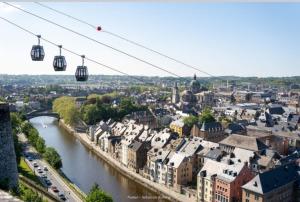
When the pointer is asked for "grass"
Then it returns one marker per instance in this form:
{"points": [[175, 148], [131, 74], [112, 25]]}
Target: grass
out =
{"points": [[25, 170]]}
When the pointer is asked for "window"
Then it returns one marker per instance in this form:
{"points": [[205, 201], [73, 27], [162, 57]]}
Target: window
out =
{"points": [[256, 197], [247, 200], [247, 194]]}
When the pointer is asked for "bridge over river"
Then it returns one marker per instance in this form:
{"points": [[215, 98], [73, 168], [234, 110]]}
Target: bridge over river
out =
{"points": [[38, 113]]}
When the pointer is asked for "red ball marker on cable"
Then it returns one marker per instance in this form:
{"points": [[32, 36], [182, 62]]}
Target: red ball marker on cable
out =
{"points": [[99, 28]]}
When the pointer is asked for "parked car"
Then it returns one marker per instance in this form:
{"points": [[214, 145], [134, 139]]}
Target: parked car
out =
{"points": [[54, 189], [48, 182], [35, 165], [39, 170], [45, 168], [44, 176], [62, 196]]}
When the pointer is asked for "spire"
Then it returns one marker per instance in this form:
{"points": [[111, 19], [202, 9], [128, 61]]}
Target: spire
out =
{"points": [[195, 77]]}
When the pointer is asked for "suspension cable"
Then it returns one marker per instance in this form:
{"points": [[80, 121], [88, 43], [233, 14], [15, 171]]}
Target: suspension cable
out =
{"points": [[125, 39], [93, 40], [70, 51]]}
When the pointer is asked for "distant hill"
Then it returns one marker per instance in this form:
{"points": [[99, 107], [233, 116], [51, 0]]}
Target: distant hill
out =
{"points": [[154, 80]]}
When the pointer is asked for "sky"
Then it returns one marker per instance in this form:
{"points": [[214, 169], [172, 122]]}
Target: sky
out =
{"points": [[240, 39]]}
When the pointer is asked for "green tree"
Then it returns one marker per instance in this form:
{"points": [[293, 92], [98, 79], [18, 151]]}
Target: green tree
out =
{"points": [[106, 99], [40, 145], [190, 120], [207, 116], [126, 104], [15, 122], [66, 108], [53, 158], [71, 115], [90, 114], [27, 195], [26, 99], [2, 99], [96, 194], [25, 127]]}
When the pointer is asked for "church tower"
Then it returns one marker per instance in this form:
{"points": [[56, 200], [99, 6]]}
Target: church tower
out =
{"points": [[175, 94], [195, 85]]}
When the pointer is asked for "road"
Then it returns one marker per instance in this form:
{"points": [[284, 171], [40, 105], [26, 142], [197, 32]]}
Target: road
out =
{"points": [[42, 169]]}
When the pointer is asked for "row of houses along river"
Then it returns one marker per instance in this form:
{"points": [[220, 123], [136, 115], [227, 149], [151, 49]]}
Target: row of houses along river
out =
{"points": [[84, 168]]}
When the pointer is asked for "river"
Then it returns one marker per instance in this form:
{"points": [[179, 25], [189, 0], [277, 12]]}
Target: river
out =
{"points": [[84, 168]]}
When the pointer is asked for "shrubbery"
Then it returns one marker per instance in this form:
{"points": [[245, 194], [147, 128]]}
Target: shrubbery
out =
{"points": [[27, 195], [52, 157], [206, 116], [96, 194], [49, 153], [33, 137]]}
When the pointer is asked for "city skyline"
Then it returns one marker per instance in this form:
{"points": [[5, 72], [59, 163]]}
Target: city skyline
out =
{"points": [[221, 39]]}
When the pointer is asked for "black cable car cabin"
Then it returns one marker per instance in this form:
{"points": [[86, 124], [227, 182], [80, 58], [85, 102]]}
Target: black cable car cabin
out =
{"points": [[59, 62], [81, 73], [37, 51]]}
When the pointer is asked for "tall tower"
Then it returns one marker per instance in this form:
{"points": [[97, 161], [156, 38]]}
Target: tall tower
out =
{"points": [[195, 85], [8, 164], [175, 94]]}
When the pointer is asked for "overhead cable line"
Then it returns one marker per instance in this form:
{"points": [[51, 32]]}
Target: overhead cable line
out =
{"points": [[93, 40], [68, 50], [99, 28]]}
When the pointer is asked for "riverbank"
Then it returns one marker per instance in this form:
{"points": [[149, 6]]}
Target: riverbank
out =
{"points": [[53, 174], [161, 190]]}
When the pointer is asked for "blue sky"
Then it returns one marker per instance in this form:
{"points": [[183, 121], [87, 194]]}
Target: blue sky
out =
{"points": [[222, 38]]}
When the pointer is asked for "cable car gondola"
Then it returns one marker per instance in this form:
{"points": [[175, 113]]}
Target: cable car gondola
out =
{"points": [[37, 51], [59, 62], [81, 73]]}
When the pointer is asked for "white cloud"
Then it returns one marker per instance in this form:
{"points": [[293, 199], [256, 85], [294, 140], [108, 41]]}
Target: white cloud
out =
{"points": [[8, 9]]}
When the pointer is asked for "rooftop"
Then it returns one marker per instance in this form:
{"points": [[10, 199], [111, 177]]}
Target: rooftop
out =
{"points": [[176, 159], [244, 142], [273, 179], [221, 170], [135, 145]]}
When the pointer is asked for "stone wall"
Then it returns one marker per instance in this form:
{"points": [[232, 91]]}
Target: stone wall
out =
{"points": [[8, 164]]}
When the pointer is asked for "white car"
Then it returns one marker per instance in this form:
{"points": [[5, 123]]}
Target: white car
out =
{"points": [[39, 170]]}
